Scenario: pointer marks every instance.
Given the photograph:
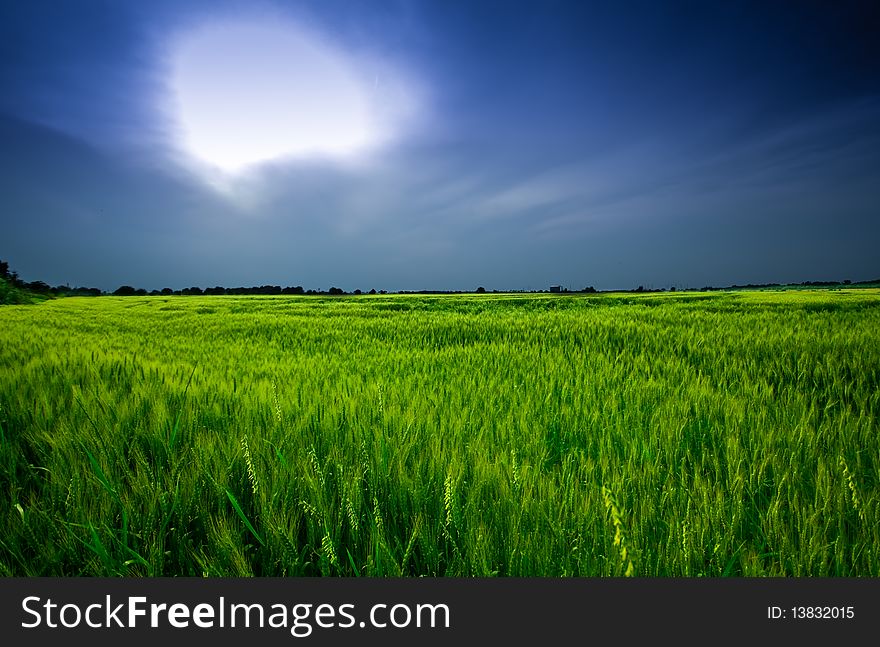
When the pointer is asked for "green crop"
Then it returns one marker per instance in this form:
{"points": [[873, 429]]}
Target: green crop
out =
{"points": [[686, 434]]}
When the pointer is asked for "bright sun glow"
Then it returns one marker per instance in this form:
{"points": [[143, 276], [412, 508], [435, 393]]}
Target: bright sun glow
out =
{"points": [[247, 93]]}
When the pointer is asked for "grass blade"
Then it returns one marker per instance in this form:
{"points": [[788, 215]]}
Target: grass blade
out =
{"points": [[176, 427], [241, 514]]}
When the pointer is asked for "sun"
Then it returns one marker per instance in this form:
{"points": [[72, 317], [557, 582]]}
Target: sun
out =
{"points": [[246, 93]]}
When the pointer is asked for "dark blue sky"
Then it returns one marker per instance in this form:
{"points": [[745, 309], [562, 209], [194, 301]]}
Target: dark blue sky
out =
{"points": [[439, 145]]}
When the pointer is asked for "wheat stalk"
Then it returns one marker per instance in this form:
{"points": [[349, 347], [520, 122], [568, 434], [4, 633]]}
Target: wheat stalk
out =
{"points": [[251, 472], [619, 535], [854, 494]]}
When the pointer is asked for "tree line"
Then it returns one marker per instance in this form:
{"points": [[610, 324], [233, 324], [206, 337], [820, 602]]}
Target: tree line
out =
{"points": [[127, 290], [12, 281]]}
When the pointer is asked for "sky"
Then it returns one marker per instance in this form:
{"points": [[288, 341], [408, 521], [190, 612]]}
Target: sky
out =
{"points": [[415, 145]]}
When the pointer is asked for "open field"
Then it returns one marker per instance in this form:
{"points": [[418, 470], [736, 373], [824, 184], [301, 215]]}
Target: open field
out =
{"points": [[656, 435]]}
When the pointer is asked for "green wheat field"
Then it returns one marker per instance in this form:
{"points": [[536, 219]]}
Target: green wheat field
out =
{"points": [[675, 434]]}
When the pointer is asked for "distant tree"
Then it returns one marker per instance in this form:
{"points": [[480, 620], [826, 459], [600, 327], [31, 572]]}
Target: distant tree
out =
{"points": [[4, 269], [263, 289], [672, 289], [124, 291], [86, 292], [192, 291], [358, 292], [38, 286], [336, 291], [167, 291], [373, 291], [154, 293], [590, 289], [481, 290], [141, 292]]}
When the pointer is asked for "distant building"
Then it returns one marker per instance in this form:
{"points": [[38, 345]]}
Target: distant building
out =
{"points": [[556, 288]]}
